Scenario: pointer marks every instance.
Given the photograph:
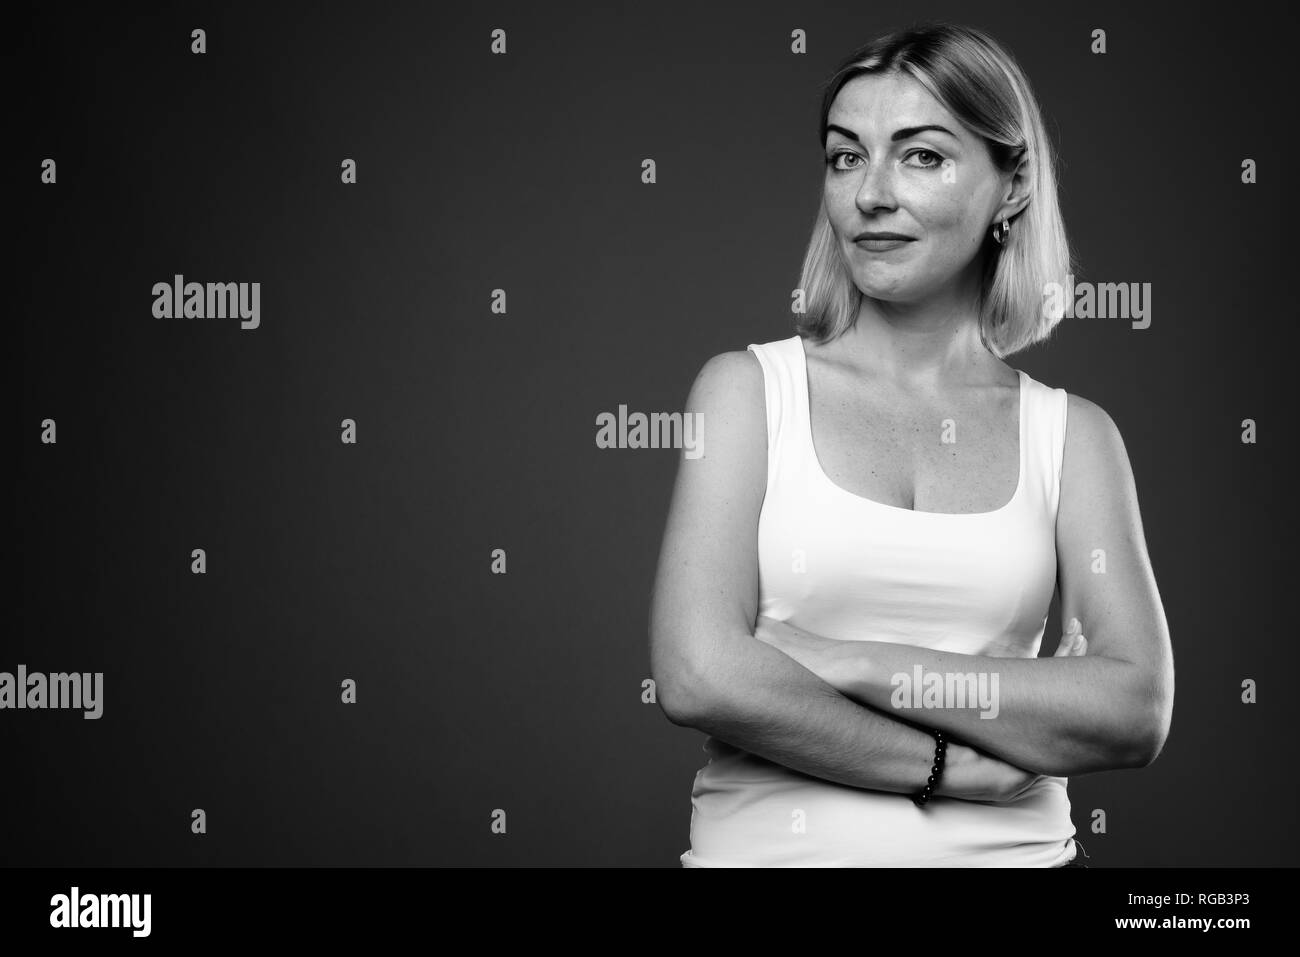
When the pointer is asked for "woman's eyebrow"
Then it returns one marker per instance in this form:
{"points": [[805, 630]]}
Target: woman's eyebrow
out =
{"points": [[902, 134]]}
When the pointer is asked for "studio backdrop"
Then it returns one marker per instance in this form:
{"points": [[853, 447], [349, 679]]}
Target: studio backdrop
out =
{"points": [[322, 317]]}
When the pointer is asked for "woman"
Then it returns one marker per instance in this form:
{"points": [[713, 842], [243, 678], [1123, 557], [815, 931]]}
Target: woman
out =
{"points": [[887, 506]]}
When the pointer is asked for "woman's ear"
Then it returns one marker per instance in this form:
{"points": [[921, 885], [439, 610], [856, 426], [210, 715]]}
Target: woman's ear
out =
{"points": [[1017, 194]]}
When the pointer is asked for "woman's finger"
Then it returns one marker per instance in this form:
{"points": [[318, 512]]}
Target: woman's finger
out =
{"points": [[1068, 646], [1071, 646]]}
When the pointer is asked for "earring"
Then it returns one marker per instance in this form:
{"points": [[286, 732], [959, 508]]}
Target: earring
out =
{"points": [[1001, 231]]}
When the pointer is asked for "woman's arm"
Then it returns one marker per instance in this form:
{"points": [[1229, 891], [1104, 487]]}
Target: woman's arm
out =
{"points": [[1059, 716], [709, 671]]}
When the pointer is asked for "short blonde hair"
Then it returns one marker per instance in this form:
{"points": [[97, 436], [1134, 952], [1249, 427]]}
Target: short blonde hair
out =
{"points": [[983, 87]]}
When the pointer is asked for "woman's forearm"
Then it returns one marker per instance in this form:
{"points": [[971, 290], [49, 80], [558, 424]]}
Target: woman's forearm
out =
{"points": [[762, 701], [1058, 716]]}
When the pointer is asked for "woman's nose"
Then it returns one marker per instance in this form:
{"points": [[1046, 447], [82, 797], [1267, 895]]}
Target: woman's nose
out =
{"points": [[877, 187]]}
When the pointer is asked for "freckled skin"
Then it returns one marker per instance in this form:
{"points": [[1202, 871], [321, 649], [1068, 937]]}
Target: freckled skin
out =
{"points": [[891, 186]]}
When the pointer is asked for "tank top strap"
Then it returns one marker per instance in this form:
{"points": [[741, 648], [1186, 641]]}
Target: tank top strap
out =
{"points": [[1045, 441], [783, 393]]}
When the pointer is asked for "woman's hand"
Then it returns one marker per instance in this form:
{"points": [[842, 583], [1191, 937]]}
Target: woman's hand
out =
{"points": [[1073, 644], [972, 775]]}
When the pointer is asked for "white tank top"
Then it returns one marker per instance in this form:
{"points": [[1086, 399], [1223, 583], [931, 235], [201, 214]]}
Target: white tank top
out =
{"points": [[978, 583]]}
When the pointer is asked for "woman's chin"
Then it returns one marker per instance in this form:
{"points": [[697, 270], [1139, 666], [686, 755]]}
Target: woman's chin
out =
{"points": [[885, 292]]}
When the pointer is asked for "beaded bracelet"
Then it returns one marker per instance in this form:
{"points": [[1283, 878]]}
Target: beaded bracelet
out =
{"points": [[936, 772]]}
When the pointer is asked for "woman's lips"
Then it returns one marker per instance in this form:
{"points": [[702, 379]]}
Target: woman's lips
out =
{"points": [[881, 245]]}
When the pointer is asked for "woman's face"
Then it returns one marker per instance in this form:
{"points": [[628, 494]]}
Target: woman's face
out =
{"points": [[939, 189]]}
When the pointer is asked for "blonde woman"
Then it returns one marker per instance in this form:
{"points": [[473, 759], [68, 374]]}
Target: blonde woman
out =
{"points": [[855, 577]]}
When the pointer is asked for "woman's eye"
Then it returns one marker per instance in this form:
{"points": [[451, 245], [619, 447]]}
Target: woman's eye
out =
{"points": [[831, 160], [938, 159]]}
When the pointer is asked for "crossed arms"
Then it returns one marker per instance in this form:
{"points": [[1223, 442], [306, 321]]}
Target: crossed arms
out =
{"points": [[823, 707]]}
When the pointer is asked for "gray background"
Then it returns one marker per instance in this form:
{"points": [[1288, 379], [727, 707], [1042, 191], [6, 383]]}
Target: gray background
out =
{"points": [[476, 431]]}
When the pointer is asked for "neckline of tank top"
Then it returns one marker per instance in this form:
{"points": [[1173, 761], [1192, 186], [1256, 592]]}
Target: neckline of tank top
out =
{"points": [[871, 502]]}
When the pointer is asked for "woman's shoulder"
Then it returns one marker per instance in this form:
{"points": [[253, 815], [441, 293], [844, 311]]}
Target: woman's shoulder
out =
{"points": [[1092, 442], [728, 384], [742, 369], [1075, 405], [1090, 432]]}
